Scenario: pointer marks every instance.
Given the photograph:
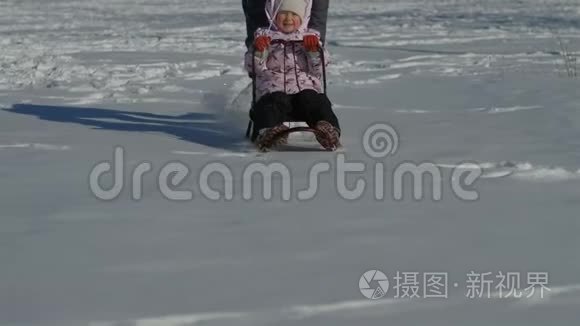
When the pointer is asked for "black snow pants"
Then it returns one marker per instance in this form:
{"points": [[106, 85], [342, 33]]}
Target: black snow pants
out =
{"points": [[309, 106], [254, 11]]}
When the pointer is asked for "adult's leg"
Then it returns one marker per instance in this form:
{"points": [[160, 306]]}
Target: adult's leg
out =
{"points": [[254, 11], [318, 17]]}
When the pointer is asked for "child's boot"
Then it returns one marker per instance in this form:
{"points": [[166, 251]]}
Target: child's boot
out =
{"points": [[328, 136], [268, 137]]}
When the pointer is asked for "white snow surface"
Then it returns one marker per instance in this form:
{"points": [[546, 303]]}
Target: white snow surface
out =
{"points": [[464, 83]]}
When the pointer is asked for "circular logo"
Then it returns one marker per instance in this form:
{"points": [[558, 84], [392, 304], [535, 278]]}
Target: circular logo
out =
{"points": [[380, 140], [373, 284]]}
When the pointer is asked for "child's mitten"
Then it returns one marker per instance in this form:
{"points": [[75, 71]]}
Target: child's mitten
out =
{"points": [[262, 43], [311, 43]]}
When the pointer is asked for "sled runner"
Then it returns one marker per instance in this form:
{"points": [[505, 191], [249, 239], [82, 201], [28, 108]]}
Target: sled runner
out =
{"points": [[303, 140]]}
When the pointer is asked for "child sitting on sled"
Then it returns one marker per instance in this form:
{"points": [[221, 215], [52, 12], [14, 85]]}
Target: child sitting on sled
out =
{"points": [[286, 63]]}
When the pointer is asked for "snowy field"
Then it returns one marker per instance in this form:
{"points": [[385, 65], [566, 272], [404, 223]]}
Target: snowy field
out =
{"points": [[481, 81]]}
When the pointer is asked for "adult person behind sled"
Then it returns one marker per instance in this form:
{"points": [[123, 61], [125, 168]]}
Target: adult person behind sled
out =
{"points": [[256, 18], [288, 70]]}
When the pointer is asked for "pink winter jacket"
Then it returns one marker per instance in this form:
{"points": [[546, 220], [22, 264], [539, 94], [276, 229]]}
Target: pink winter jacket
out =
{"points": [[286, 66]]}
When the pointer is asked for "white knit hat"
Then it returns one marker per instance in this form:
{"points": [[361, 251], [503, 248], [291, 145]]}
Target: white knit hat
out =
{"points": [[296, 6]]}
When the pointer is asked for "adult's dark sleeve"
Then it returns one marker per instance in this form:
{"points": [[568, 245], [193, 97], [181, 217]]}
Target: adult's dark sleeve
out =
{"points": [[254, 11], [318, 17]]}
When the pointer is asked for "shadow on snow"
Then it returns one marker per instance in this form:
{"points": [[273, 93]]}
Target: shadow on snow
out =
{"points": [[201, 128]]}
